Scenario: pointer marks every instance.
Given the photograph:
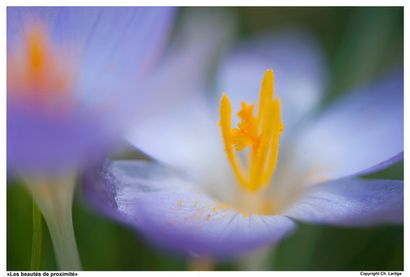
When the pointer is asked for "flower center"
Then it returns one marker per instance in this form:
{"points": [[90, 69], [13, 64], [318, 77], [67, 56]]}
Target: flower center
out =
{"points": [[259, 132], [36, 68]]}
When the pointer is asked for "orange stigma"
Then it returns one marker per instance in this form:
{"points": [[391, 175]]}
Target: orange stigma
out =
{"points": [[36, 67]]}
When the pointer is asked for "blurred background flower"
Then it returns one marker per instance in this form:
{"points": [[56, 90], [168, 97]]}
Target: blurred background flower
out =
{"points": [[72, 76], [344, 34]]}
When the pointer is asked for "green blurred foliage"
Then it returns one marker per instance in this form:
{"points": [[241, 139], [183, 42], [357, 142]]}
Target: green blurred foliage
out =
{"points": [[360, 44]]}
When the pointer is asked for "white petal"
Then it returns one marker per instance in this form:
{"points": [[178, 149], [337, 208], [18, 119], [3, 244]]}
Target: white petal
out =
{"points": [[175, 124]]}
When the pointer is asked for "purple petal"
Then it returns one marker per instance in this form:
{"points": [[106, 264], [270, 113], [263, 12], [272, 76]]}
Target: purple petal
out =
{"points": [[173, 212], [384, 164], [359, 132], [38, 142], [120, 51], [298, 64], [351, 202]]}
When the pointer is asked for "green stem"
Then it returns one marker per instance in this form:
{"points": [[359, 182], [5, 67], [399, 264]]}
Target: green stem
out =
{"points": [[37, 240], [201, 264], [260, 259], [64, 243], [54, 198]]}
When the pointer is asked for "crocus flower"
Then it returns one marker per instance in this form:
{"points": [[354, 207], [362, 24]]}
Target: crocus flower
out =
{"points": [[220, 184], [73, 74]]}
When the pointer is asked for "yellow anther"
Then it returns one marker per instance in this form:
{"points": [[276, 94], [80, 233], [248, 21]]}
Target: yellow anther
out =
{"points": [[226, 127], [261, 133], [266, 94], [274, 147]]}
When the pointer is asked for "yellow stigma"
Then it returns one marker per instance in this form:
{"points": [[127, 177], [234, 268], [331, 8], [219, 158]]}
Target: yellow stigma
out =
{"points": [[259, 132]]}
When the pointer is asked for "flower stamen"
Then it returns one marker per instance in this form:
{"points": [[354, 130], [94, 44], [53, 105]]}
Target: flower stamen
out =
{"points": [[261, 133], [226, 127]]}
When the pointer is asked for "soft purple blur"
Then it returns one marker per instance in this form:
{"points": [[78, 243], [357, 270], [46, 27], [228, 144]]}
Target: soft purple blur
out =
{"points": [[111, 52]]}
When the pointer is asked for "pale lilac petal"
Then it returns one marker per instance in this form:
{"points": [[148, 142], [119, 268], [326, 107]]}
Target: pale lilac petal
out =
{"points": [[351, 202], [175, 124], [298, 64], [120, 51], [172, 212], [359, 132]]}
